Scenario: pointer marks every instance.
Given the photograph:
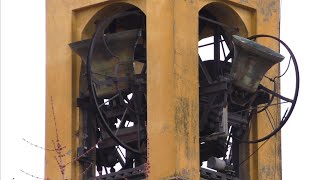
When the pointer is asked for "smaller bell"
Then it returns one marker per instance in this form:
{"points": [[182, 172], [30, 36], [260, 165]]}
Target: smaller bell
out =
{"points": [[112, 61], [251, 62]]}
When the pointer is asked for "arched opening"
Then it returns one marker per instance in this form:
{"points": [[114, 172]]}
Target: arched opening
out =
{"points": [[112, 88], [237, 82], [218, 150]]}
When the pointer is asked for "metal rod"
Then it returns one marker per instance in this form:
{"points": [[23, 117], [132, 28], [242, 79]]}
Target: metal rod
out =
{"points": [[122, 162], [275, 94], [269, 119], [104, 103], [216, 50], [224, 53], [121, 121], [272, 118], [205, 72], [258, 107], [209, 44], [219, 23]]}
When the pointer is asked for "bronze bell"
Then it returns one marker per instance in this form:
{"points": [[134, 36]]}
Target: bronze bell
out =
{"points": [[112, 61], [251, 62]]}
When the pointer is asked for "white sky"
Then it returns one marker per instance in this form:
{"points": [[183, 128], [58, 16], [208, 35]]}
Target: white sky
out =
{"points": [[23, 88]]}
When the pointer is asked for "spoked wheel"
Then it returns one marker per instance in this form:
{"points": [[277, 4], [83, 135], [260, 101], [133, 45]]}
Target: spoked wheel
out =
{"points": [[285, 99], [116, 76]]}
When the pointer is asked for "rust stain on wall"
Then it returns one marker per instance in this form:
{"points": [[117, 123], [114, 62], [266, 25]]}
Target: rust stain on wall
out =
{"points": [[181, 116]]}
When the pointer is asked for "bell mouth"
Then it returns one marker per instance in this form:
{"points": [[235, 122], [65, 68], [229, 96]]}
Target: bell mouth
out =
{"points": [[82, 47], [251, 62], [258, 49]]}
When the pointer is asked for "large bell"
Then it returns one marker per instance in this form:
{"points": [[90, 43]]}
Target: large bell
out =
{"points": [[251, 62], [112, 61]]}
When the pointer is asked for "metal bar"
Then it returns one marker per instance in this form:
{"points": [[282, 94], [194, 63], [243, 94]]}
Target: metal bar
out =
{"points": [[122, 121], [216, 50], [275, 94], [219, 23], [205, 71], [104, 103], [126, 135], [209, 44], [220, 86]]}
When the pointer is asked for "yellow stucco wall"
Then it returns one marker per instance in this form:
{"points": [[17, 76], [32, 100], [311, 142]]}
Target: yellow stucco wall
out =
{"points": [[172, 84]]}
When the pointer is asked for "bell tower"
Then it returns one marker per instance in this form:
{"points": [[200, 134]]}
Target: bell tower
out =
{"points": [[163, 89]]}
